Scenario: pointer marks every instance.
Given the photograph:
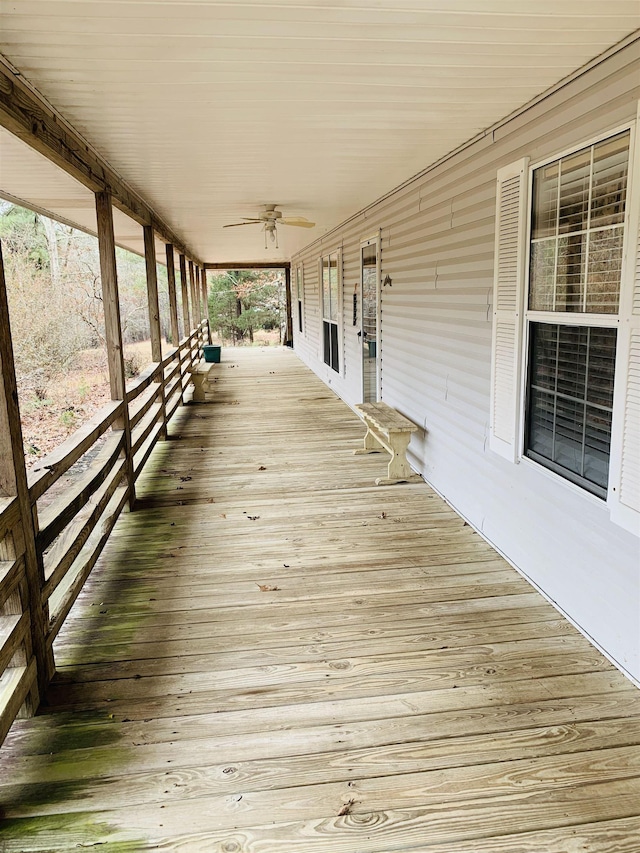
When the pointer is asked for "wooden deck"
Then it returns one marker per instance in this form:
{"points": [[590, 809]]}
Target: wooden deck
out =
{"points": [[276, 656]]}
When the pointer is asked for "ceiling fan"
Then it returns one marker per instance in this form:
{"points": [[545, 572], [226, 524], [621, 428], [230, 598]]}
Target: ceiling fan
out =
{"points": [[269, 218]]}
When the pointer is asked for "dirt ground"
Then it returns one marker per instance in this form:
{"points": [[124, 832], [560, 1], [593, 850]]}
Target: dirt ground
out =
{"points": [[75, 396]]}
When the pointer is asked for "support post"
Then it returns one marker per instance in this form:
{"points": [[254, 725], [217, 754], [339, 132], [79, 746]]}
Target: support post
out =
{"points": [[113, 328], [205, 300], [154, 316], [196, 270], [185, 295], [173, 302], [152, 293], [192, 293], [289, 325], [22, 540]]}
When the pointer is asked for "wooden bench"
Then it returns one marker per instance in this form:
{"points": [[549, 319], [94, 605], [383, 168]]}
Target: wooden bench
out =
{"points": [[200, 375], [388, 430]]}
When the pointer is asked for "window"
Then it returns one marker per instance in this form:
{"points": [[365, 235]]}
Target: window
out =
{"points": [[330, 310], [300, 297], [575, 268], [565, 383]]}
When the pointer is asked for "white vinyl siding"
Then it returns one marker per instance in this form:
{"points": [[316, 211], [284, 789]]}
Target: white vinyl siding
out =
{"points": [[437, 245]]}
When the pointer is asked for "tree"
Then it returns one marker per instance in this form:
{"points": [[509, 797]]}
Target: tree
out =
{"points": [[46, 335], [240, 302]]}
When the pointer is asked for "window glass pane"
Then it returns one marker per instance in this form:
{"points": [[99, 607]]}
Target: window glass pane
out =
{"points": [[598, 446], [545, 201], [602, 362], [326, 297], [326, 340], [571, 361], [544, 345], [334, 347], [609, 190], [542, 275], [570, 398], [576, 261], [299, 282], [567, 449], [604, 271], [575, 172], [333, 283], [541, 422], [369, 255], [570, 272]]}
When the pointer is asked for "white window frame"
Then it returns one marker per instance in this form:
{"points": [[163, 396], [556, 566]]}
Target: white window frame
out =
{"points": [[626, 321], [339, 319]]}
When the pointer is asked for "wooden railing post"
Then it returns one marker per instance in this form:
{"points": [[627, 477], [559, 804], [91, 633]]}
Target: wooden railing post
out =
{"points": [[113, 328], [196, 275], [173, 302], [152, 293], [154, 313], [205, 301], [195, 313], [203, 307], [22, 540], [186, 314]]}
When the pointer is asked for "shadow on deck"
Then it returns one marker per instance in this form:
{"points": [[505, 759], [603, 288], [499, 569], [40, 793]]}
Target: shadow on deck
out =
{"points": [[275, 655]]}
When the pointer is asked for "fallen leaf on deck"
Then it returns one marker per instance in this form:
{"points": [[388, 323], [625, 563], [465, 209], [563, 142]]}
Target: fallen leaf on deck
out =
{"points": [[346, 808], [185, 479], [262, 468], [266, 588], [253, 517], [382, 515]]}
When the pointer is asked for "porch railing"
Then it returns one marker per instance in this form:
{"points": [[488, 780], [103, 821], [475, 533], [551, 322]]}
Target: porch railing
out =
{"points": [[72, 520]]}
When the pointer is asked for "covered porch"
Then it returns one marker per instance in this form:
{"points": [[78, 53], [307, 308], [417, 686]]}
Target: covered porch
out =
{"points": [[273, 654]]}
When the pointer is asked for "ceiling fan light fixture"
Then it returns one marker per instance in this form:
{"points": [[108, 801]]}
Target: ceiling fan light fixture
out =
{"points": [[271, 217]]}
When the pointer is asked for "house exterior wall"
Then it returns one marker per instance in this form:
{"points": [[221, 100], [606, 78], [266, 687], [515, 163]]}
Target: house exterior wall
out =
{"points": [[437, 245]]}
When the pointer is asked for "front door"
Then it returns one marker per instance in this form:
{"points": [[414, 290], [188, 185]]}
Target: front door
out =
{"points": [[370, 316]]}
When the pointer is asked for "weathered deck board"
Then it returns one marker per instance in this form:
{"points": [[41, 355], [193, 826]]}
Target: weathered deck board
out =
{"points": [[401, 673]]}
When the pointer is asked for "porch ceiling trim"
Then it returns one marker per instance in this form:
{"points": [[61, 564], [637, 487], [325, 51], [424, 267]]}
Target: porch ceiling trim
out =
{"points": [[249, 265], [26, 114]]}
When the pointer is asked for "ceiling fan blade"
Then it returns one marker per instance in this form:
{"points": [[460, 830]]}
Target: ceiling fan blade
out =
{"points": [[237, 224], [298, 221]]}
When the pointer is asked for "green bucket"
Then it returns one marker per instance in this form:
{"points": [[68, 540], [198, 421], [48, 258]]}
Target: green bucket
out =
{"points": [[211, 353]]}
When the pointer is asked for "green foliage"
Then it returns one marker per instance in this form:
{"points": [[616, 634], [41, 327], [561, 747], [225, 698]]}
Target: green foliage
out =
{"points": [[22, 233], [240, 302], [55, 295], [68, 418]]}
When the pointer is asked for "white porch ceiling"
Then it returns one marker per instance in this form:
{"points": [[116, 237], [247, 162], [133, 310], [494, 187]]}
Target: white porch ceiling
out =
{"points": [[211, 109]]}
